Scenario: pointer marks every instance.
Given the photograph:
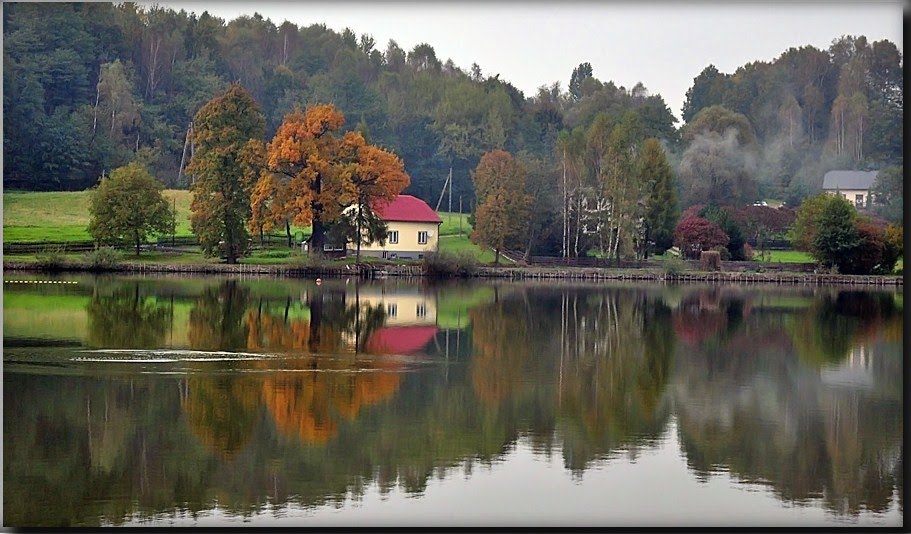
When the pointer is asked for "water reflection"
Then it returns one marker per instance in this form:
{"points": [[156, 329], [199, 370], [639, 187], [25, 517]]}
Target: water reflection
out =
{"points": [[394, 385]]}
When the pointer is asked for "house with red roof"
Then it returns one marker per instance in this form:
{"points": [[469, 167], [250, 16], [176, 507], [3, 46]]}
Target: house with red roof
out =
{"points": [[413, 230]]}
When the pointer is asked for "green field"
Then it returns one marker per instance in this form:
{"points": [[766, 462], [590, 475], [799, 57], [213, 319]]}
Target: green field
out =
{"points": [[451, 223], [64, 216], [787, 256], [455, 244]]}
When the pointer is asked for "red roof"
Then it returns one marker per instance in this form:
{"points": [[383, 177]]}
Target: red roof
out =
{"points": [[406, 208], [400, 339]]}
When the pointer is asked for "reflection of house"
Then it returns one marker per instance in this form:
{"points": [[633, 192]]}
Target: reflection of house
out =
{"points": [[400, 339], [401, 307], [853, 185], [413, 229], [855, 371], [410, 324]]}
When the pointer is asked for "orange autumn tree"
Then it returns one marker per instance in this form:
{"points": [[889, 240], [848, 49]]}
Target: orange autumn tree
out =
{"points": [[313, 172], [502, 211]]}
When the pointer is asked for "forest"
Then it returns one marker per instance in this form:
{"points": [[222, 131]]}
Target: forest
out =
{"points": [[91, 87]]}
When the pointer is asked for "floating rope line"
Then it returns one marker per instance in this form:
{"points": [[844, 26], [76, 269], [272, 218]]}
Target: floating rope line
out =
{"points": [[38, 282]]}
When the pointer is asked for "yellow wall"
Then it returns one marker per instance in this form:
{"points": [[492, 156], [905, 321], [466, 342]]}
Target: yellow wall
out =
{"points": [[405, 307], [850, 194], [408, 238]]}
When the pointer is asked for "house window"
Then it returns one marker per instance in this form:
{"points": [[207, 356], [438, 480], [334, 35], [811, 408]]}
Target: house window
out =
{"points": [[393, 237], [391, 310], [859, 201], [422, 310], [422, 238]]}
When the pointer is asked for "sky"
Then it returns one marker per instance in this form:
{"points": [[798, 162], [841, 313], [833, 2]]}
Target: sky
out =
{"points": [[664, 45]]}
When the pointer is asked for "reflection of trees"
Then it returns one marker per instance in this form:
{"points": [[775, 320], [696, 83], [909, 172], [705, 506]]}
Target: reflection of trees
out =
{"points": [[308, 404], [708, 314], [586, 369], [216, 321], [840, 320], [92, 448], [502, 348], [222, 411], [747, 405], [617, 349], [128, 319], [599, 361]]}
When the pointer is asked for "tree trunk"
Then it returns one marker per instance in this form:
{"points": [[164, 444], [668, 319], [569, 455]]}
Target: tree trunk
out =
{"points": [[565, 251], [531, 239], [318, 239], [95, 109], [231, 258], [288, 233], [358, 236], [136, 240]]}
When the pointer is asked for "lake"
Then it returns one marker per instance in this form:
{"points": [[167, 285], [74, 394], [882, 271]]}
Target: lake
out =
{"points": [[162, 400]]}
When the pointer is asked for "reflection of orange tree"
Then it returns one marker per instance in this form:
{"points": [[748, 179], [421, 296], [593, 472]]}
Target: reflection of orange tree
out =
{"points": [[307, 404], [268, 331]]}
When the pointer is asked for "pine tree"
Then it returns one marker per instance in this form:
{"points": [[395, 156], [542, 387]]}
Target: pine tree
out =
{"points": [[661, 208]]}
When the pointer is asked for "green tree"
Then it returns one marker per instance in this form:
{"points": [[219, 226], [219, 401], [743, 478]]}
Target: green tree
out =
{"points": [[729, 226], [501, 215], [707, 90], [803, 231], [661, 209], [836, 233], [128, 206], [888, 193], [580, 73], [223, 130]]}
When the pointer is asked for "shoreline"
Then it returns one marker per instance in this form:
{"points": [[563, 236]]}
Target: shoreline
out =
{"points": [[507, 272]]}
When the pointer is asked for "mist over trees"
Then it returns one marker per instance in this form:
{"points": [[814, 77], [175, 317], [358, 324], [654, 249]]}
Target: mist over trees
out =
{"points": [[91, 87]]}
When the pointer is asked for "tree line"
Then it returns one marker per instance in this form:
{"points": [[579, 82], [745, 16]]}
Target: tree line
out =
{"points": [[89, 88]]}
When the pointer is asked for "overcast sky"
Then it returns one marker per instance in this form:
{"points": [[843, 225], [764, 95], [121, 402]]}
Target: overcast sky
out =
{"points": [[664, 45]]}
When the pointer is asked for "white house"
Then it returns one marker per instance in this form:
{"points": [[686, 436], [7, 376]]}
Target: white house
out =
{"points": [[413, 230], [852, 185]]}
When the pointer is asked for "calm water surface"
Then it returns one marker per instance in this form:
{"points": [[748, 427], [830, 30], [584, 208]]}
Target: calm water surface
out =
{"points": [[261, 401]]}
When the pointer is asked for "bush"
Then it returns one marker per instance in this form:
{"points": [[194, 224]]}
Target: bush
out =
{"points": [[310, 261], [103, 258], [695, 234], [673, 266], [52, 258], [462, 263]]}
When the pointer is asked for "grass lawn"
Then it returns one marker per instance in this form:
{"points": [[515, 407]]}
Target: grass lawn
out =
{"points": [[788, 256], [451, 221], [454, 244], [64, 216]]}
